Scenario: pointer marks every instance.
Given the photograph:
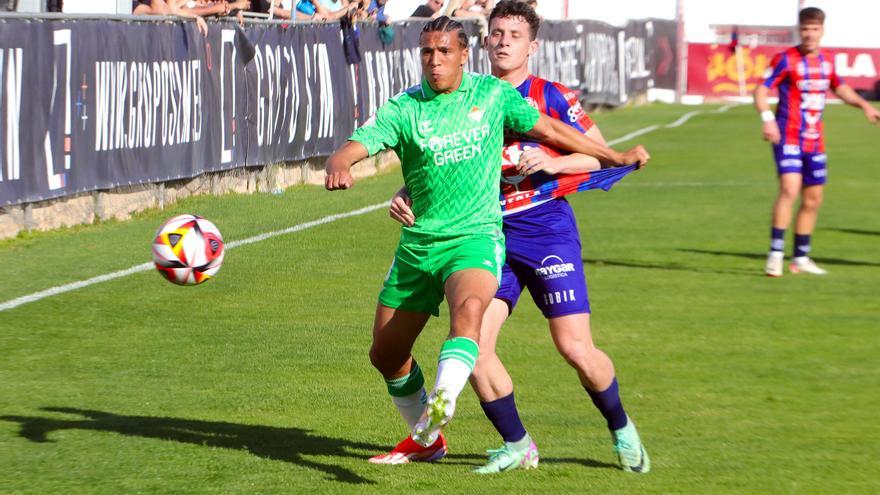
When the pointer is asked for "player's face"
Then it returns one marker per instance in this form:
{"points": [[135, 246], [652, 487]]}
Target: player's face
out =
{"points": [[811, 35], [508, 44], [435, 5], [443, 60]]}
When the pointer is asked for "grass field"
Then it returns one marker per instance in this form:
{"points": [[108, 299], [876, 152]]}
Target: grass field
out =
{"points": [[259, 381]]}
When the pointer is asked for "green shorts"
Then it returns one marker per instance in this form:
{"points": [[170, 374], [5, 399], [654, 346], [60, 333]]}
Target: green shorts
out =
{"points": [[417, 275]]}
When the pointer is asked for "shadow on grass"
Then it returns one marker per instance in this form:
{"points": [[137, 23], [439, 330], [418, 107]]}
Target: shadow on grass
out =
{"points": [[475, 461], [855, 231], [276, 443], [648, 265], [763, 257]]}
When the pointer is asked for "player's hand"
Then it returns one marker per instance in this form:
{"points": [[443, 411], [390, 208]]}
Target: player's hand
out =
{"points": [[872, 114], [535, 160], [401, 208], [337, 179], [771, 132], [636, 156]]}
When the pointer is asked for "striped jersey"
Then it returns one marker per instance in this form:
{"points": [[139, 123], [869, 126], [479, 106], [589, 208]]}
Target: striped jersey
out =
{"points": [[803, 82], [522, 192]]}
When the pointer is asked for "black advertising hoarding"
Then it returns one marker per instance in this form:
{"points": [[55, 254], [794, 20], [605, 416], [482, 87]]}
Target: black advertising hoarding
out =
{"points": [[94, 104]]}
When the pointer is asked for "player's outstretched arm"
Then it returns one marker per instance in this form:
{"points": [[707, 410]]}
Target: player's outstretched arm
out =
{"points": [[536, 159], [338, 165], [849, 96], [770, 129], [559, 135]]}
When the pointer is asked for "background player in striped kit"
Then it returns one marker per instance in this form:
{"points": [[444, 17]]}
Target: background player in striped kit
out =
{"points": [[803, 74], [543, 254]]}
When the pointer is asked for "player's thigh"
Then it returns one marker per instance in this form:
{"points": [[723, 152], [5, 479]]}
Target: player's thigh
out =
{"points": [[464, 288], [471, 269], [790, 184]]}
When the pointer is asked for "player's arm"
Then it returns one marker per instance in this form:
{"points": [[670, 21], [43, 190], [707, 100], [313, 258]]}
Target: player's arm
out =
{"points": [[337, 168], [850, 97], [536, 159], [553, 132], [770, 129]]}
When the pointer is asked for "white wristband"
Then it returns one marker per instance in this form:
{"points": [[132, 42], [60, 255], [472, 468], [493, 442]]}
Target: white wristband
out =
{"points": [[768, 116]]}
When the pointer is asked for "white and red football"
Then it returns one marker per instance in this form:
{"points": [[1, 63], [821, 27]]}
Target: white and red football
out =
{"points": [[188, 249]]}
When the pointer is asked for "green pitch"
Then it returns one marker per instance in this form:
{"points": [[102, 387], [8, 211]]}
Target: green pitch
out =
{"points": [[259, 381]]}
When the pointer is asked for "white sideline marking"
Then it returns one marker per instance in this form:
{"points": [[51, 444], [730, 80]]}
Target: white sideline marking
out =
{"points": [[61, 289]]}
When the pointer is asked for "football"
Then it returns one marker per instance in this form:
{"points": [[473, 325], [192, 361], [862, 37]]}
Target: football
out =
{"points": [[188, 249]]}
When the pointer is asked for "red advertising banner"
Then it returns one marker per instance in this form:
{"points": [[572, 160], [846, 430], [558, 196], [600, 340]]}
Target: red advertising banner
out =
{"points": [[714, 70]]}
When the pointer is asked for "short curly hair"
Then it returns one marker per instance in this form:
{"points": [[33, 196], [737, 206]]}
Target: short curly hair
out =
{"points": [[513, 8]]}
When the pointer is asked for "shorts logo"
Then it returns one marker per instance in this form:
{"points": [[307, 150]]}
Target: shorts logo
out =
{"points": [[820, 158], [790, 163], [556, 270], [791, 149], [564, 296]]}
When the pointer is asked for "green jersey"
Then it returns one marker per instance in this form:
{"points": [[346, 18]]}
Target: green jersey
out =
{"points": [[449, 147]]}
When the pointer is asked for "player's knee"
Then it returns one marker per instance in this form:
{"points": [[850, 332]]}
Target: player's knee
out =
{"points": [[575, 354], [812, 202], [470, 309], [381, 360], [788, 194]]}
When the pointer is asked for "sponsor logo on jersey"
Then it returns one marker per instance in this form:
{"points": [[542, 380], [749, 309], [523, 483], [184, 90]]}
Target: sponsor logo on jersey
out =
{"points": [[426, 126], [456, 146], [532, 103], [554, 267], [475, 114], [813, 84]]}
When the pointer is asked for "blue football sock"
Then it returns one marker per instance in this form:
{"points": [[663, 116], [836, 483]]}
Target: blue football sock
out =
{"points": [[608, 403], [777, 239], [801, 245], [504, 416]]}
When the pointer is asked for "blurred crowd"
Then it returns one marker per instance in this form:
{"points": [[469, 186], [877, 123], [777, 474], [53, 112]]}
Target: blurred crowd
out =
{"points": [[310, 10]]}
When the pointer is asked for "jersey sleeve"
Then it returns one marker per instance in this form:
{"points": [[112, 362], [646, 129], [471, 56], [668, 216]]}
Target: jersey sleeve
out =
{"points": [[382, 130], [563, 105], [777, 71], [834, 78], [519, 116]]}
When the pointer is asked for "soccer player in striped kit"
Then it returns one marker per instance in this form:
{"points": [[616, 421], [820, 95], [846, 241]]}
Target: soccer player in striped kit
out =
{"points": [[803, 74], [543, 254]]}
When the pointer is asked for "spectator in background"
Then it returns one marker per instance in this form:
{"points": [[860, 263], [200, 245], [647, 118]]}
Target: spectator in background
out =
{"points": [[429, 9], [319, 12], [169, 7], [283, 9], [470, 8], [376, 11]]}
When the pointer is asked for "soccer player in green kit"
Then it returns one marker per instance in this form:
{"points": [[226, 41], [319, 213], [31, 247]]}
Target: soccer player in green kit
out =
{"points": [[448, 133]]}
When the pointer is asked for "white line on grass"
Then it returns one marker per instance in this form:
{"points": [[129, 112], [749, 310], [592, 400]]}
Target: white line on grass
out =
{"points": [[61, 289]]}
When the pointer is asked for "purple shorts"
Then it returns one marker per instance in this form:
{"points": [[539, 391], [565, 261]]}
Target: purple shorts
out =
{"points": [[544, 254], [790, 159]]}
